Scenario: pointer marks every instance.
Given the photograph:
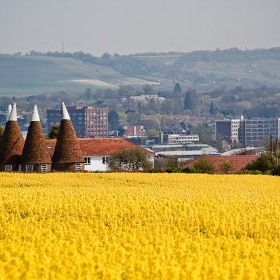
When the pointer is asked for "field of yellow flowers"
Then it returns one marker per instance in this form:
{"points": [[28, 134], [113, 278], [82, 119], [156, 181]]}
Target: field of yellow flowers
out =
{"points": [[139, 226]]}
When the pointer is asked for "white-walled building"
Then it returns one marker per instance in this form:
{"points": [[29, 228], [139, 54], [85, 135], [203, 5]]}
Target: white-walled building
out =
{"points": [[182, 138], [96, 151], [248, 131]]}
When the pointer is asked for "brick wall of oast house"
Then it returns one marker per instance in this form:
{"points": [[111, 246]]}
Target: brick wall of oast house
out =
{"points": [[11, 146], [35, 151], [67, 150], [37, 168], [70, 167]]}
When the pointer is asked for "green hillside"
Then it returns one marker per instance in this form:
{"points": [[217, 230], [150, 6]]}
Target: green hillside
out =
{"points": [[36, 74], [202, 70]]}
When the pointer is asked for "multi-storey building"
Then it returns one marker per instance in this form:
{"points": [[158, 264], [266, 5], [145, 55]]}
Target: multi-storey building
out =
{"points": [[88, 122], [248, 131], [228, 129], [260, 128]]}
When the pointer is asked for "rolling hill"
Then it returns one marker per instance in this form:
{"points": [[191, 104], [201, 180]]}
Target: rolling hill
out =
{"points": [[23, 75], [203, 70]]}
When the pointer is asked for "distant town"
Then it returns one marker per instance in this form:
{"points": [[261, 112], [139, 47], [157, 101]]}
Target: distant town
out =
{"points": [[185, 115]]}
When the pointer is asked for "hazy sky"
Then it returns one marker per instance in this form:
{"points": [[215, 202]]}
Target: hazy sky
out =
{"points": [[131, 26]]}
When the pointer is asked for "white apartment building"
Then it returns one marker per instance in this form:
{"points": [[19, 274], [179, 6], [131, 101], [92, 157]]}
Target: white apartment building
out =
{"points": [[248, 131], [260, 128], [182, 138]]}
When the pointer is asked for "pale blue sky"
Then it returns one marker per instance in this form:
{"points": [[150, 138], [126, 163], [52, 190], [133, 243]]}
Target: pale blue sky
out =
{"points": [[130, 26]]}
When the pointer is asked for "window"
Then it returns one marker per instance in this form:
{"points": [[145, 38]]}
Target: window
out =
{"points": [[43, 167], [87, 160], [104, 160], [29, 168], [8, 167], [78, 167]]}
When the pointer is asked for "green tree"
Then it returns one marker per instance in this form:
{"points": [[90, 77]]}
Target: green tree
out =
{"points": [[88, 94], [204, 131], [204, 165], [126, 90], [265, 163], [148, 89], [226, 166], [169, 164], [113, 119], [133, 159], [190, 100], [106, 56], [212, 108], [152, 132], [177, 88], [167, 107], [54, 132]]}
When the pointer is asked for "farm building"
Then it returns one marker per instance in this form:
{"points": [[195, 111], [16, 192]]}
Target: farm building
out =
{"points": [[66, 153], [35, 156], [96, 151], [12, 143]]}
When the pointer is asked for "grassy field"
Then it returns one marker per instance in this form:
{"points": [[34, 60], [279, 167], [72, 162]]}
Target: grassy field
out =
{"points": [[25, 75], [265, 71], [139, 226]]}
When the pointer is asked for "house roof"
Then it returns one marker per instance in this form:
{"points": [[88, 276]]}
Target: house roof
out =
{"points": [[238, 161], [99, 146]]}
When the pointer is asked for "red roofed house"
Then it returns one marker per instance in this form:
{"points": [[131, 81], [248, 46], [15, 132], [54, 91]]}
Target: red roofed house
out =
{"points": [[97, 150], [238, 162]]}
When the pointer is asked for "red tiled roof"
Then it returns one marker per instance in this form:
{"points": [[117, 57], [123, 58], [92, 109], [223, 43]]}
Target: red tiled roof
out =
{"points": [[238, 161], [98, 146]]}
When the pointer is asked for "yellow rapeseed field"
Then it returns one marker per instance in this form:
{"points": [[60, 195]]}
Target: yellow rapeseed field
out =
{"points": [[139, 226]]}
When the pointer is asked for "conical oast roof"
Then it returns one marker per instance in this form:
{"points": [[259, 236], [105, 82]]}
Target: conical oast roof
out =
{"points": [[67, 148], [12, 141], [35, 149], [9, 111]]}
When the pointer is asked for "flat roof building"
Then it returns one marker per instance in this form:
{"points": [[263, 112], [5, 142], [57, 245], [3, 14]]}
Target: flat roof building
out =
{"points": [[248, 131], [258, 129]]}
